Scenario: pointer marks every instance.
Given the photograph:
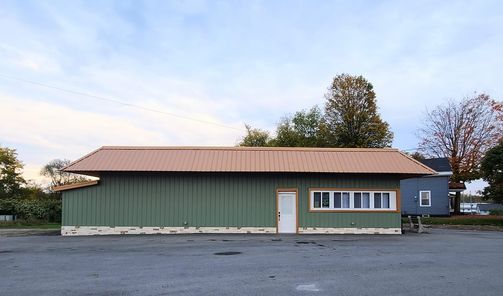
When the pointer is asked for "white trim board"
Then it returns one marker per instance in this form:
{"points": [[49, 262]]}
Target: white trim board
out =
{"points": [[439, 174]]}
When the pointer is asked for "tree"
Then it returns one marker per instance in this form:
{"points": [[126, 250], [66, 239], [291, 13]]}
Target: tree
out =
{"points": [[53, 171], [492, 171], [11, 179], [416, 155], [352, 116], [463, 132], [255, 137], [303, 129]]}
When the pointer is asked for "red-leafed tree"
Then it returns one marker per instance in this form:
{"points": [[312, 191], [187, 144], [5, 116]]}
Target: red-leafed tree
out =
{"points": [[462, 131]]}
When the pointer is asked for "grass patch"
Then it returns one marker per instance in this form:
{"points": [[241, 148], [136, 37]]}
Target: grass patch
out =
{"points": [[462, 220], [26, 225]]}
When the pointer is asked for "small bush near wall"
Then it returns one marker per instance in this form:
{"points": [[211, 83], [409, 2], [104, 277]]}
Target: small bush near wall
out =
{"points": [[7, 206], [465, 220], [496, 212], [47, 209]]}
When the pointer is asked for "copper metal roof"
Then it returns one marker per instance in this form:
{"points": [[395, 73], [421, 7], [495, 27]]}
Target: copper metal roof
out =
{"points": [[247, 159]]}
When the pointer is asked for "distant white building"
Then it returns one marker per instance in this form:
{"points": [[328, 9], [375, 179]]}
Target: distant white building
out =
{"points": [[485, 208], [479, 208], [469, 207]]}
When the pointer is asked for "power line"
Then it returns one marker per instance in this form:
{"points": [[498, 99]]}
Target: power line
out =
{"points": [[7, 77]]}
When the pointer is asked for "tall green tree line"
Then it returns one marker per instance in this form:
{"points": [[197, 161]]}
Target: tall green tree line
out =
{"points": [[27, 200]]}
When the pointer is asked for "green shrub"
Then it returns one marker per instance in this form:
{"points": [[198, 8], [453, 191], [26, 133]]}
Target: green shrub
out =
{"points": [[47, 209], [53, 207], [7, 206], [497, 212]]}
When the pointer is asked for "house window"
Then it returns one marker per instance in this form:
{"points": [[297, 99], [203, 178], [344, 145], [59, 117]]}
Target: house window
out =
{"points": [[337, 200], [351, 200], [321, 200], [325, 200], [382, 200], [377, 200], [345, 200], [317, 200], [385, 200], [341, 200], [361, 200], [425, 198], [357, 199], [366, 200]]}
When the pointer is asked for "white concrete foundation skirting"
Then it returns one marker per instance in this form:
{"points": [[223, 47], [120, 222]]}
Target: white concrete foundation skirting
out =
{"points": [[349, 230], [107, 230]]}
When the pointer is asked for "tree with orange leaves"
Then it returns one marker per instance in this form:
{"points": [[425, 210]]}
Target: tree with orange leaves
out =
{"points": [[463, 131]]}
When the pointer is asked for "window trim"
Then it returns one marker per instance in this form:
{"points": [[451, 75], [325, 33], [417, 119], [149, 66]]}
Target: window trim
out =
{"points": [[351, 201], [421, 199]]}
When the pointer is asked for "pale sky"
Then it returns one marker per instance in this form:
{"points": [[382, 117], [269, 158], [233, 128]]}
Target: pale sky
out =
{"points": [[228, 62]]}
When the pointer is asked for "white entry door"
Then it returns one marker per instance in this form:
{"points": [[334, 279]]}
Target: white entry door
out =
{"points": [[287, 212]]}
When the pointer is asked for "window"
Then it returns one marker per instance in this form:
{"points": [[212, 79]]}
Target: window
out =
{"points": [[337, 200], [382, 200], [321, 200], [341, 200], [377, 200], [365, 200], [361, 200], [325, 200], [351, 200], [385, 200], [357, 200], [425, 198], [345, 200], [317, 200]]}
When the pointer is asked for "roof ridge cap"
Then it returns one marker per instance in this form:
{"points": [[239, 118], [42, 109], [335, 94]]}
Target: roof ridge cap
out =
{"points": [[237, 148]]}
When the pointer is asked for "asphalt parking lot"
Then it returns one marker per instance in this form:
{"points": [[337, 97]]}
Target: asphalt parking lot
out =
{"points": [[443, 262]]}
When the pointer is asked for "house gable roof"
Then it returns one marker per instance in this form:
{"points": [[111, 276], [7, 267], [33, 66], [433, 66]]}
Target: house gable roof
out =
{"points": [[246, 159], [438, 164]]}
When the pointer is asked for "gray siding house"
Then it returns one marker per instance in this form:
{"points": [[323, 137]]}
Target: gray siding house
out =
{"points": [[428, 195]]}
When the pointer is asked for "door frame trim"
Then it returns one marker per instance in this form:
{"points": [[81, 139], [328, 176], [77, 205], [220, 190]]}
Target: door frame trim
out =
{"points": [[292, 190]]}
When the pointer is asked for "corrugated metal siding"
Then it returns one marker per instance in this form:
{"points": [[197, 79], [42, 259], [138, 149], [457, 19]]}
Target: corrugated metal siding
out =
{"points": [[212, 200]]}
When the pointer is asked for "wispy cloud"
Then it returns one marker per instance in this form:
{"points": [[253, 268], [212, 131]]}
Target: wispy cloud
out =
{"points": [[228, 63]]}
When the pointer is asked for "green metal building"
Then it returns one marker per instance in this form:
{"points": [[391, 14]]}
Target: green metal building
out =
{"points": [[143, 190]]}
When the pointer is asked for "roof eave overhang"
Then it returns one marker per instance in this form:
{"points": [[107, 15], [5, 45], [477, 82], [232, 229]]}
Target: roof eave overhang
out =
{"points": [[85, 173], [74, 186], [456, 190], [404, 174], [441, 174], [414, 175]]}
